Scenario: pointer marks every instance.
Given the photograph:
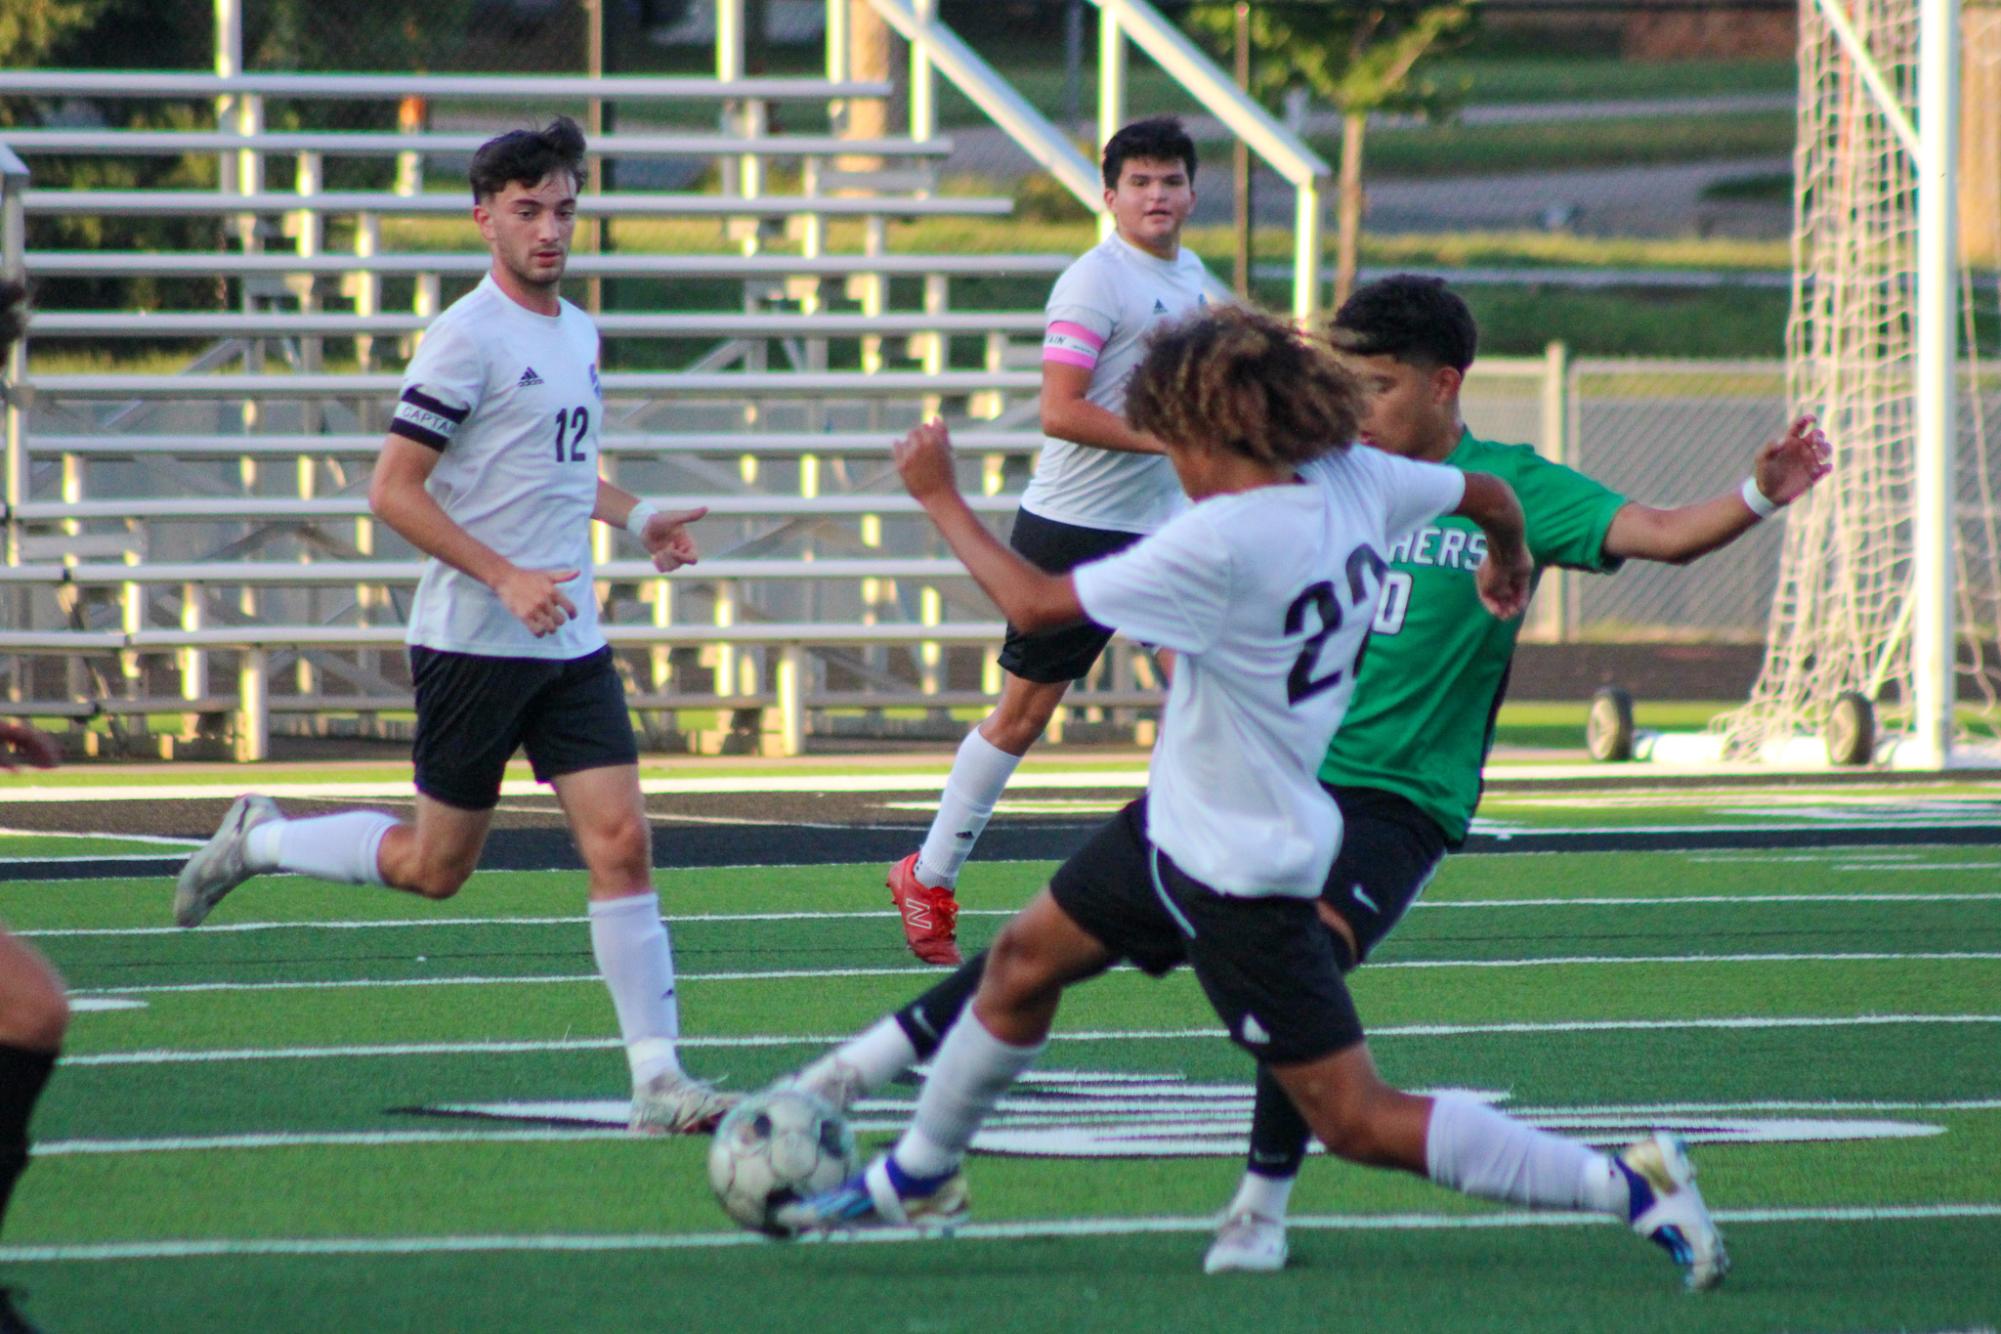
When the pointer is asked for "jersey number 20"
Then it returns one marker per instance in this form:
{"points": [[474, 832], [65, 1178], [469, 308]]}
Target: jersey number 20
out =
{"points": [[572, 422], [1300, 682]]}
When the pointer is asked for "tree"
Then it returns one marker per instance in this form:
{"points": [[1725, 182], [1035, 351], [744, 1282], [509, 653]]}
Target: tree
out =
{"points": [[1357, 57]]}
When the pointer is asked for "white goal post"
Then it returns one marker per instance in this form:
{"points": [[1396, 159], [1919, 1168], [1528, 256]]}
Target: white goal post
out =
{"points": [[1877, 565]]}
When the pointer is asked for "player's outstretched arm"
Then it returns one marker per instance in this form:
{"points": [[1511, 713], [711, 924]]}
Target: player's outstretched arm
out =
{"points": [[1785, 468], [21, 744], [664, 533], [396, 495], [1504, 578], [1032, 599], [1068, 415]]}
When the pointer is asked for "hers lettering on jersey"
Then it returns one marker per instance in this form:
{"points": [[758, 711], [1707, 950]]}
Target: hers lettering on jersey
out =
{"points": [[1444, 548], [1431, 547], [1319, 610]]}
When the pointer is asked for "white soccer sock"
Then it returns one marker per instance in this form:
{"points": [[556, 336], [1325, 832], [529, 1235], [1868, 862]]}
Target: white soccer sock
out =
{"points": [[1265, 1196], [979, 776], [340, 847], [968, 1076], [1475, 1149], [878, 1055], [633, 954]]}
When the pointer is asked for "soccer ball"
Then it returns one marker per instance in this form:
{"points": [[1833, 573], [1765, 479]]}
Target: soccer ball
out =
{"points": [[775, 1148]]}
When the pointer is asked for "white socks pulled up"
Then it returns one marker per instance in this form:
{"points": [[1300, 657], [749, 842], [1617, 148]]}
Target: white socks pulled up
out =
{"points": [[1470, 1147], [980, 773], [342, 848], [637, 963], [968, 1076]]}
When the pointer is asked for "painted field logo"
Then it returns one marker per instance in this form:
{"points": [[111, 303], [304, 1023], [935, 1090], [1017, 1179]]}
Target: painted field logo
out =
{"points": [[1095, 1114]]}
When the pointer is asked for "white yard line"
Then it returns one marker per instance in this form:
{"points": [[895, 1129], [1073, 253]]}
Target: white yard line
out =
{"points": [[159, 839], [215, 1247], [833, 915], [221, 1055], [389, 1139], [815, 974]]}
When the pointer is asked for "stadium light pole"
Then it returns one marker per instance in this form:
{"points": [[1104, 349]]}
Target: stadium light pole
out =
{"points": [[1936, 374]]}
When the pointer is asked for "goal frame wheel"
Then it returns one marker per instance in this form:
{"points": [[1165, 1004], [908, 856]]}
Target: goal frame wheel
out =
{"points": [[1850, 730], [1608, 728]]}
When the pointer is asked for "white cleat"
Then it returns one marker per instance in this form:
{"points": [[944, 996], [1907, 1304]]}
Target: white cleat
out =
{"points": [[1247, 1243], [679, 1104], [218, 865], [1677, 1220], [832, 1080]]}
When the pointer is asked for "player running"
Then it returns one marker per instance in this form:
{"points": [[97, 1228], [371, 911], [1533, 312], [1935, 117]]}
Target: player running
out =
{"points": [[1265, 588], [490, 468], [1099, 485]]}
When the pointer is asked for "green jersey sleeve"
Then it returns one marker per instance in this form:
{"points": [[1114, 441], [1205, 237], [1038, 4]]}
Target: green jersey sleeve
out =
{"points": [[1568, 513]]}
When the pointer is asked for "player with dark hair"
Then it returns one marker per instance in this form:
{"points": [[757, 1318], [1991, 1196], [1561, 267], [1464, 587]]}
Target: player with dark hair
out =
{"points": [[1265, 587], [490, 468], [1099, 485], [34, 1012], [1405, 767]]}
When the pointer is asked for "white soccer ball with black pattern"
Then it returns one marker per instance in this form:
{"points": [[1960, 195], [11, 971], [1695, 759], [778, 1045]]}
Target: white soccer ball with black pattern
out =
{"points": [[774, 1148]]}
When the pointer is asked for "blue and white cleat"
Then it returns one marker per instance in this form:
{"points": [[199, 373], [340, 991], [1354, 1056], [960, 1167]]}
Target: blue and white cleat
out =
{"points": [[1675, 1218], [872, 1199]]}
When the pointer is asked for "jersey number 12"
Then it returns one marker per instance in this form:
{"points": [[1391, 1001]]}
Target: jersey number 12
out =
{"points": [[572, 422]]}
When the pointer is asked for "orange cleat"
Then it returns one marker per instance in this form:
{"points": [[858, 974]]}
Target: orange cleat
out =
{"points": [[930, 914]]}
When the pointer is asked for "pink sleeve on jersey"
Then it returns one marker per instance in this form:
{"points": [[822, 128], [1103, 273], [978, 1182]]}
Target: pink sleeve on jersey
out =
{"points": [[1071, 344]]}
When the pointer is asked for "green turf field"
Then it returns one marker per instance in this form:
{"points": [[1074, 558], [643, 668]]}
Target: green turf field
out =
{"points": [[243, 1141]]}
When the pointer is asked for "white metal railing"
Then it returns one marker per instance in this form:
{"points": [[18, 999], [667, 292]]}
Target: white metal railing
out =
{"points": [[387, 203], [934, 46], [365, 143], [434, 87], [128, 263]]}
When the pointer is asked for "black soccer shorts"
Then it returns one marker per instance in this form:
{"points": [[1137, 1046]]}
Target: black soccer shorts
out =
{"points": [[1067, 653], [473, 712], [1389, 851], [1268, 965]]}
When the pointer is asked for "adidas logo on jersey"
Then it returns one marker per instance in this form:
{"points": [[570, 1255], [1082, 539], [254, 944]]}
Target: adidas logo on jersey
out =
{"points": [[1253, 1032], [1159, 306], [529, 379]]}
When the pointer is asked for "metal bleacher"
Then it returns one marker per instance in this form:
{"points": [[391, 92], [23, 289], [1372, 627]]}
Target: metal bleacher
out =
{"points": [[190, 561], [191, 544]]}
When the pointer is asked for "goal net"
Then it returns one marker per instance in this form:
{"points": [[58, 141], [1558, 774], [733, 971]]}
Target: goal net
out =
{"points": [[1842, 615]]}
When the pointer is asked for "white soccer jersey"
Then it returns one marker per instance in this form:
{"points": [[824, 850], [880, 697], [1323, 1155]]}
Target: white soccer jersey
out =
{"points": [[1099, 314], [511, 401], [1266, 596]]}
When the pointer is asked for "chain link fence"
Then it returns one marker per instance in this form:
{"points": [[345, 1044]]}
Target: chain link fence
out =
{"points": [[1662, 433]]}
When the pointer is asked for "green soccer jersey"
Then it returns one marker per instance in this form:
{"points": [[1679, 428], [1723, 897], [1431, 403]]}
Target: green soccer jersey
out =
{"points": [[1431, 679]]}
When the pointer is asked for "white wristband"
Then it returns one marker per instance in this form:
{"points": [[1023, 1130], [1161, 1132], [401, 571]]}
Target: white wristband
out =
{"points": [[635, 522], [1761, 505]]}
